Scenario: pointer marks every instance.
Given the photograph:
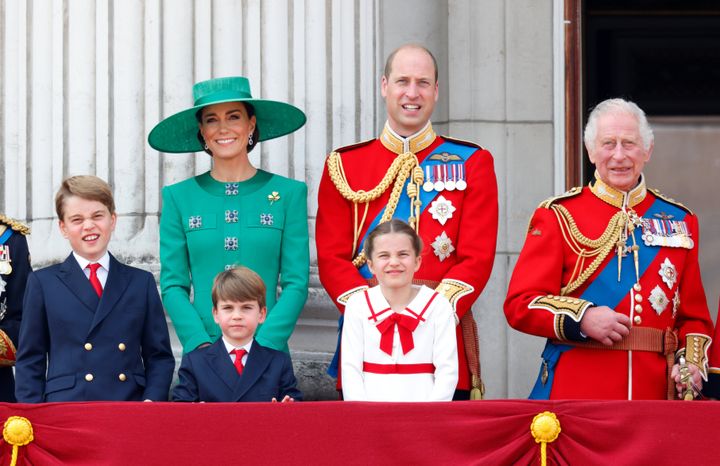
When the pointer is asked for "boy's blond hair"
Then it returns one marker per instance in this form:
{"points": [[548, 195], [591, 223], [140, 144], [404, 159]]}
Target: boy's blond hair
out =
{"points": [[87, 187], [238, 284]]}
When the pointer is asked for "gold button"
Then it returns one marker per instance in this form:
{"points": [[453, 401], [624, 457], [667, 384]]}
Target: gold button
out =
{"points": [[122, 377], [88, 346], [89, 377], [637, 320], [638, 298], [638, 308], [637, 287], [121, 346]]}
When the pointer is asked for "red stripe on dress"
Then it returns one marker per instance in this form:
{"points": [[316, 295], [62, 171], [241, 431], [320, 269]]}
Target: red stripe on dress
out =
{"points": [[422, 368]]}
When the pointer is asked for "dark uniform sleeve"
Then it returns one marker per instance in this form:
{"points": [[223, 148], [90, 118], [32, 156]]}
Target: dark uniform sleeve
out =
{"points": [[11, 305], [15, 286]]}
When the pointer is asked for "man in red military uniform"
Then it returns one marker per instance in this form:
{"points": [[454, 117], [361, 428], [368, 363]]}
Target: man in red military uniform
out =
{"points": [[609, 274], [444, 188]]}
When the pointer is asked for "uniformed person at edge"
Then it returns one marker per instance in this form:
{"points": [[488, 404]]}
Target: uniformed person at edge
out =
{"points": [[14, 270], [609, 274]]}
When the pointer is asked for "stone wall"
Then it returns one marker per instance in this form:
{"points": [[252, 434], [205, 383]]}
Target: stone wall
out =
{"points": [[82, 83]]}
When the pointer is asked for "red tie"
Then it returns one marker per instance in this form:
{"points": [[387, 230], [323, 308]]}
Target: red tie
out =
{"points": [[94, 281], [239, 353]]}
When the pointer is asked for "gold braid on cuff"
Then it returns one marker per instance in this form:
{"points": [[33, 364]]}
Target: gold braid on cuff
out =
{"points": [[696, 349]]}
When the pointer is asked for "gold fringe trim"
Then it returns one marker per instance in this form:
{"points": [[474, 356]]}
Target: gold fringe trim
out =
{"points": [[404, 166], [16, 225]]}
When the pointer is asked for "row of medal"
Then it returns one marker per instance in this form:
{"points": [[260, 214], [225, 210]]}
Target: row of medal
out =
{"points": [[5, 267], [666, 232], [446, 177]]}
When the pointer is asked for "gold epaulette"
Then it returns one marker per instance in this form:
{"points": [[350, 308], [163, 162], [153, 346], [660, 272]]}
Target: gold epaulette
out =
{"points": [[354, 146], [567, 194], [15, 225], [462, 142], [671, 201]]}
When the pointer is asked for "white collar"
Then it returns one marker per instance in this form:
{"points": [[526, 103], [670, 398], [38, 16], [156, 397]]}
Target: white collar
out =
{"points": [[413, 309], [104, 261], [230, 348]]}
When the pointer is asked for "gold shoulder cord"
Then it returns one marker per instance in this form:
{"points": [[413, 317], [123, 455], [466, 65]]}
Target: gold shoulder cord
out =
{"points": [[403, 165], [585, 247], [15, 225]]}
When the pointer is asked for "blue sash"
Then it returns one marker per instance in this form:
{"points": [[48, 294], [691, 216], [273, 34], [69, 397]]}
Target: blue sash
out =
{"points": [[605, 290], [403, 207], [6, 235]]}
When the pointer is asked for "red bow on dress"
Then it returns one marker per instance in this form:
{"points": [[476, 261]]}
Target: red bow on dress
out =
{"points": [[405, 324]]}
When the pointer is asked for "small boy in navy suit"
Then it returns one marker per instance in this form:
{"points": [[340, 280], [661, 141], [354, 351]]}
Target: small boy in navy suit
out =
{"points": [[93, 328], [236, 367]]}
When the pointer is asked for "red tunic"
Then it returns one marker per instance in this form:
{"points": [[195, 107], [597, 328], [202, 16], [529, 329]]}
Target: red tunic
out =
{"points": [[472, 229], [670, 293]]}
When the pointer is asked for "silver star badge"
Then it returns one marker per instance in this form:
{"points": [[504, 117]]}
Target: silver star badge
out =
{"points": [[442, 246], [658, 300], [441, 209], [668, 273]]}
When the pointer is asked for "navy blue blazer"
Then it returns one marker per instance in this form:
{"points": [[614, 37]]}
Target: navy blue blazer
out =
{"points": [[208, 374], [112, 348]]}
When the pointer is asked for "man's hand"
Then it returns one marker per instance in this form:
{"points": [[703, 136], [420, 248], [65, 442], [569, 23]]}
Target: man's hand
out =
{"points": [[604, 325], [695, 377], [287, 399]]}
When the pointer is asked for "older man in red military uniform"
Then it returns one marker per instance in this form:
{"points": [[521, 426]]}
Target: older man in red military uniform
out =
{"points": [[609, 274], [444, 188]]}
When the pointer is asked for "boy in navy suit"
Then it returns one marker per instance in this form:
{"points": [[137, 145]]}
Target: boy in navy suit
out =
{"points": [[93, 328], [236, 367]]}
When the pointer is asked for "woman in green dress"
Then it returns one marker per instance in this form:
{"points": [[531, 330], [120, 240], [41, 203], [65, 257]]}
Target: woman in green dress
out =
{"points": [[235, 214]]}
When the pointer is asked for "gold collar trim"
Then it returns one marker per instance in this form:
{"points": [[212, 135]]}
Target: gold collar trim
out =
{"points": [[618, 198], [415, 143]]}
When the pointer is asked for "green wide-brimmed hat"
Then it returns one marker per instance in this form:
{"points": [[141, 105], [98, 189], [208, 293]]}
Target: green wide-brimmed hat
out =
{"points": [[178, 133]]}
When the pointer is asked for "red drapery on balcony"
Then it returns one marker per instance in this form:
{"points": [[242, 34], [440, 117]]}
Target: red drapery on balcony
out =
{"points": [[317, 433]]}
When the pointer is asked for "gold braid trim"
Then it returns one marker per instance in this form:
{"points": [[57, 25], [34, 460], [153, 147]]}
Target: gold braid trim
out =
{"points": [[15, 225], [696, 351], [585, 247], [399, 171]]}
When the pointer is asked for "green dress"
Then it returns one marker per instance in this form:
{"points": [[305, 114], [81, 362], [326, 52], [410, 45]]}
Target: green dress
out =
{"points": [[208, 226]]}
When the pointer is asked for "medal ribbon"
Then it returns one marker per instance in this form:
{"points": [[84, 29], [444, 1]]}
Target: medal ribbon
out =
{"points": [[605, 289], [403, 207]]}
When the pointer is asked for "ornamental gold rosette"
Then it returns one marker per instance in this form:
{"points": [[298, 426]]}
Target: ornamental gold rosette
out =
{"points": [[545, 428], [18, 432]]}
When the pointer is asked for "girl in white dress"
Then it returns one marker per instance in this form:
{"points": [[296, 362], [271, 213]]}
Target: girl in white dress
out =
{"points": [[398, 338]]}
